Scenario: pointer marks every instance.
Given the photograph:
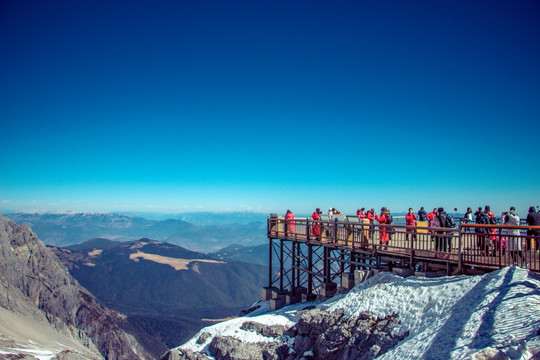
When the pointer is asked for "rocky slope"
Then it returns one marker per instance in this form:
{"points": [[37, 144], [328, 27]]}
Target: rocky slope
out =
{"points": [[37, 288]]}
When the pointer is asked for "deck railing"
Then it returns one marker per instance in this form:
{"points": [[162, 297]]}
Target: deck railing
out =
{"points": [[486, 246]]}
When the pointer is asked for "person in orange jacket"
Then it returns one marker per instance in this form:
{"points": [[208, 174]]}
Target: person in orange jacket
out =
{"points": [[410, 220], [383, 234]]}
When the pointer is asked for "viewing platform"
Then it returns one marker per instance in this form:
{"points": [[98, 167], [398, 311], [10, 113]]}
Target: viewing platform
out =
{"points": [[311, 258]]}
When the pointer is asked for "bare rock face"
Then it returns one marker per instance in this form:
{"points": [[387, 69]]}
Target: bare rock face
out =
{"points": [[318, 335], [323, 335], [27, 267]]}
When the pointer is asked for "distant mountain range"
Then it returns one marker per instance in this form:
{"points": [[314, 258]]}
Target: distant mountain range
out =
{"points": [[248, 254], [215, 230], [168, 292]]}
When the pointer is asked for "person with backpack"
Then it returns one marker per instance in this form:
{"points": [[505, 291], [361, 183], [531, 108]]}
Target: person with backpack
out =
{"points": [[482, 239], [514, 238], [383, 233], [442, 241], [493, 221]]}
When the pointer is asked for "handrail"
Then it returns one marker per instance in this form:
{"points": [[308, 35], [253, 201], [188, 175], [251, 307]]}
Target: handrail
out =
{"points": [[494, 226]]}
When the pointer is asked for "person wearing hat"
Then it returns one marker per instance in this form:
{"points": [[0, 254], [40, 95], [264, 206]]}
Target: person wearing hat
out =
{"points": [[383, 234], [514, 239]]}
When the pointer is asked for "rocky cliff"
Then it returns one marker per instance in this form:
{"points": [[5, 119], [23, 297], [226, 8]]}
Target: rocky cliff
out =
{"points": [[318, 335], [34, 284]]}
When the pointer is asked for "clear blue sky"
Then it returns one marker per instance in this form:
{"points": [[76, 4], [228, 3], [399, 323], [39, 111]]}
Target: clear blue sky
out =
{"points": [[173, 106]]}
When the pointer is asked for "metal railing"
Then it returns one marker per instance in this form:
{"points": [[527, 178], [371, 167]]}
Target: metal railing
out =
{"points": [[471, 245]]}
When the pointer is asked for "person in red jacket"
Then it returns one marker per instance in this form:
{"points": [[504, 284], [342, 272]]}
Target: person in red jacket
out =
{"points": [[289, 222], [315, 229], [370, 215], [492, 232], [410, 220], [383, 234], [360, 213], [431, 216]]}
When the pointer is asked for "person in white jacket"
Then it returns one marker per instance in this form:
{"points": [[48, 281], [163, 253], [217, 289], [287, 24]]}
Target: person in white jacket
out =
{"points": [[514, 236]]}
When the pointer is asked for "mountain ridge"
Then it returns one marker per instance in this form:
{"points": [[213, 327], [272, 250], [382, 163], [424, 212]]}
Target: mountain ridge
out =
{"points": [[65, 229]]}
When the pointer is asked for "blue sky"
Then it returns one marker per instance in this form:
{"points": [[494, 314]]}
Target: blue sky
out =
{"points": [[172, 106]]}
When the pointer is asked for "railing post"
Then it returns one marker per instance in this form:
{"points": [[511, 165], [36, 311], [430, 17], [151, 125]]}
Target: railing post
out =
{"points": [[307, 229], [335, 232], [372, 235], [413, 236], [500, 248], [459, 249]]}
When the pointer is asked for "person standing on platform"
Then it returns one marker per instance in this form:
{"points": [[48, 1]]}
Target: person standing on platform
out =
{"points": [[360, 213], [370, 215], [442, 243], [315, 229], [492, 220], [467, 218], [514, 239], [383, 234], [289, 222], [422, 214], [368, 219], [533, 219], [410, 220], [482, 239], [431, 216]]}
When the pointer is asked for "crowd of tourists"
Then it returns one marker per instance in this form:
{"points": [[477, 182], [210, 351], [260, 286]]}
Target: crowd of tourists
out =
{"points": [[488, 240]]}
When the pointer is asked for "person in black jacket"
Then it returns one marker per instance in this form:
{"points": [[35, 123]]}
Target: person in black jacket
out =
{"points": [[422, 214], [482, 239], [443, 242], [533, 219]]}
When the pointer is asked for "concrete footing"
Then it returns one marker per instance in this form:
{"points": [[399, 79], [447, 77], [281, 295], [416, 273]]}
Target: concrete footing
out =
{"points": [[267, 293], [347, 280], [328, 289], [403, 272], [295, 295], [428, 274], [276, 304], [308, 297], [362, 275]]}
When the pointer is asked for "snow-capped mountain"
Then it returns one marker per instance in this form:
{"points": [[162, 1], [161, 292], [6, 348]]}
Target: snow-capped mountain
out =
{"points": [[492, 316]]}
